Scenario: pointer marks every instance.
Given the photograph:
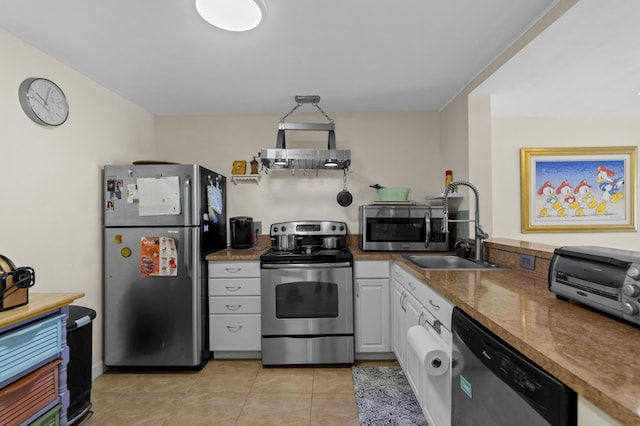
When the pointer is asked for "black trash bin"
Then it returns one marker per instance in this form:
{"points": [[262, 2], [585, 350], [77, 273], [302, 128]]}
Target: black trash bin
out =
{"points": [[79, 366]]}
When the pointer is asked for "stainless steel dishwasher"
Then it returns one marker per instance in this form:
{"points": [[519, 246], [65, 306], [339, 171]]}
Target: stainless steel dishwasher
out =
{"points": [[493, 384]]}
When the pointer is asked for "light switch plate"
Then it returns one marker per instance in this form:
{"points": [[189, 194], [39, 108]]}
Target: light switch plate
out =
{"points": [[527, 261]]}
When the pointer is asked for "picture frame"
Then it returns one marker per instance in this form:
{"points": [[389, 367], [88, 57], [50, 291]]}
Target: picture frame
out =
{"points": [[239, 167], [582, 189]]}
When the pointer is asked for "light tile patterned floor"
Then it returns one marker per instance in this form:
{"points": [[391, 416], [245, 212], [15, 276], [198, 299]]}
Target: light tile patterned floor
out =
{"points": [[227, 392]]}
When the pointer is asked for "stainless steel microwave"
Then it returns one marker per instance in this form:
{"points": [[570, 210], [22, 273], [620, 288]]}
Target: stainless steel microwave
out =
{"points": [[402, 228]]}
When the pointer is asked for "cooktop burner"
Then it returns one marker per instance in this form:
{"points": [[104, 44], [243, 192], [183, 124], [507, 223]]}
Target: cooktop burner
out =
{"points": [[310, 241], [305, 256]]}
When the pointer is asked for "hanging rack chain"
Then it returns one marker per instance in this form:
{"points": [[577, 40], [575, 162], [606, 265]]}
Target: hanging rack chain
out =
{"points": [[315, 104], [291, 112]]}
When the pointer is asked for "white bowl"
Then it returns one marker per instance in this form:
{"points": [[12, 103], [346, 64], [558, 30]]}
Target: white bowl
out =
{"points": [[453, 200]]}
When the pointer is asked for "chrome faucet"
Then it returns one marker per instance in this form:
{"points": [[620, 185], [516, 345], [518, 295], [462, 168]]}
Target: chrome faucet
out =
{"points": [[479, 232]]}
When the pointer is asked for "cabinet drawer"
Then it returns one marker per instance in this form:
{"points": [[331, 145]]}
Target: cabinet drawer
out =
{"points": [[50, 418], [234, 305], [371, 269], [440, 307], [29, 345], [234, 269], [30, 394], [235, 332], [398, 274], [235, 287]]}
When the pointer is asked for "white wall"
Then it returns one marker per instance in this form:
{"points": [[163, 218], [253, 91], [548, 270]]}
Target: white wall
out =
{"points": [[394, 149], [509, 135], [51, 204]]}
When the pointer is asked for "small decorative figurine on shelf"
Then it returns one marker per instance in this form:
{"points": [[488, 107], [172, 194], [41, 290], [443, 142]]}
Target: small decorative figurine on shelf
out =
{"points": [[254, 165]]}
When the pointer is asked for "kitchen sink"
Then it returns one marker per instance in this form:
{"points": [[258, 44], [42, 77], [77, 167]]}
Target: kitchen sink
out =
{"points": [[445, 261]]}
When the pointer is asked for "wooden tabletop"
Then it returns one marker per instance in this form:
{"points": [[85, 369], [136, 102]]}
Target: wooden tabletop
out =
{"points": [[39, 303]]}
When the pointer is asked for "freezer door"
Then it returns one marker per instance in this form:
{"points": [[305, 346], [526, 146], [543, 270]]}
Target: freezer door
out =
{"points": [[213, 216], [151, 195], [151, 319]]}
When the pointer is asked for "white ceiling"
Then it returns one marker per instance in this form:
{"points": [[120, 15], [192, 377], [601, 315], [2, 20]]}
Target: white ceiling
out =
{"points": [[587, 63], [358, 55]]}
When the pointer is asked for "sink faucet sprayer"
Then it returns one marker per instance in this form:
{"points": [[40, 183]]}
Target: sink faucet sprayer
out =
{"points": [[479, 232]]}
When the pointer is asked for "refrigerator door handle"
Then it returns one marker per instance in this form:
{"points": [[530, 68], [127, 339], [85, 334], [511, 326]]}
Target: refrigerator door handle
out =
{"points": [[187, 251], [187, 201]]}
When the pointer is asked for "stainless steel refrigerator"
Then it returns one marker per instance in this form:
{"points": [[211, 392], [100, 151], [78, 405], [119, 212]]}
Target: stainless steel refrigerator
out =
{"points": [[160, 221]]}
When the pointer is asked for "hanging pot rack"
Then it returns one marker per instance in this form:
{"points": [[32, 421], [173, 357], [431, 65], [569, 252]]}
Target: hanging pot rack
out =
{"points": [[307, 159]]}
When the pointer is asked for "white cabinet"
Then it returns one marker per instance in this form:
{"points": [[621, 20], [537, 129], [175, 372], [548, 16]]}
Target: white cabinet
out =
{"points": [[372, 333], [407, 312], [234, 308], [415, 303], [590, 415]]}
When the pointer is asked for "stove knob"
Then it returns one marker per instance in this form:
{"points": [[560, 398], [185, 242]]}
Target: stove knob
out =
{"points": [[630, 290], [630, 308], [333, 227], [341, 228], [284, 228], [634, 272], [275, 229]]}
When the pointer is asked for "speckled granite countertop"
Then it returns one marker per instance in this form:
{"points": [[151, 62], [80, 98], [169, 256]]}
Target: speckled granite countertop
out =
{"points": [[591, 352]]}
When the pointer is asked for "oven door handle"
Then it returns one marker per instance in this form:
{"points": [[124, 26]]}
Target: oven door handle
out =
{"points": [[305, 265]]}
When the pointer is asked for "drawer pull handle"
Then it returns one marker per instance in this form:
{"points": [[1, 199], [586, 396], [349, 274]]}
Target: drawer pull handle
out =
{"points": [[234, 329], [233, 270], [233, 307], [234, 289], [433, 305]]}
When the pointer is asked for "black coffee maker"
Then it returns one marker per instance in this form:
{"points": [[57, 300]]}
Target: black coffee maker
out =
{"points": [[241, 228]]}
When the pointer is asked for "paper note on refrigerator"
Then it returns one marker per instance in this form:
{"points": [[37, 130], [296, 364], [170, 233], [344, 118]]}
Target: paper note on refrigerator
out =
{"points": [[158, 257], [159, 196]]}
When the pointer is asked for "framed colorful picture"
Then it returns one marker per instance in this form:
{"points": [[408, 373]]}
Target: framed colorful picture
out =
{"points": [[578, 189]]}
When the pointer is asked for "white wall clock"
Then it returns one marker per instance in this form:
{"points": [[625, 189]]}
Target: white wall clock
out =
{"points": [[43, 101]]}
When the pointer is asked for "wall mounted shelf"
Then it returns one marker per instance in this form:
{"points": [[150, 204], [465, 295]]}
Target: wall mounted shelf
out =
{"points": [[236, 179]]}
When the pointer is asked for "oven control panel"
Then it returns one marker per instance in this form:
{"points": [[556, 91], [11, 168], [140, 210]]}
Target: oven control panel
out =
{"points": [[309, 228]]}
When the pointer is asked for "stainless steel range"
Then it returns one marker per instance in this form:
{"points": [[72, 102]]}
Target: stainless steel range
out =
{"points": [[307, 295]]}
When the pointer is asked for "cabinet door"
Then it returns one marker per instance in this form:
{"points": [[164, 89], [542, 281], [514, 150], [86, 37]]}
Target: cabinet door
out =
{"points": [[398, 331], [372, 315], [435, 398], [412, 366]]}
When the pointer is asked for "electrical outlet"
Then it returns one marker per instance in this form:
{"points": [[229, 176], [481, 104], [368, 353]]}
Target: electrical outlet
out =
{"points": [[527, 261], [257, 228]]}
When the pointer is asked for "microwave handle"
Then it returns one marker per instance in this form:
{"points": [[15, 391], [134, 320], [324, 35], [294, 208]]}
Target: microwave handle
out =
{"points": [[427, 223]]}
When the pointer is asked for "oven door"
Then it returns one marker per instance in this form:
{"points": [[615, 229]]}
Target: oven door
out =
{"points": [[307, 299]]}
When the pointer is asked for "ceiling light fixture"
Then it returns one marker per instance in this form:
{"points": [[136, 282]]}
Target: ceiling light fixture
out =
{"points": [[232, 15]]}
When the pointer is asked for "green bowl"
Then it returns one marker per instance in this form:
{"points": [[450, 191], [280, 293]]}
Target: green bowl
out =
{"points": [[393, 194]]}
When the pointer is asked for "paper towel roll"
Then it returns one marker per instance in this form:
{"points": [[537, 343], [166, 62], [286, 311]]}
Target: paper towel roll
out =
{"points": [[429, 349]]}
